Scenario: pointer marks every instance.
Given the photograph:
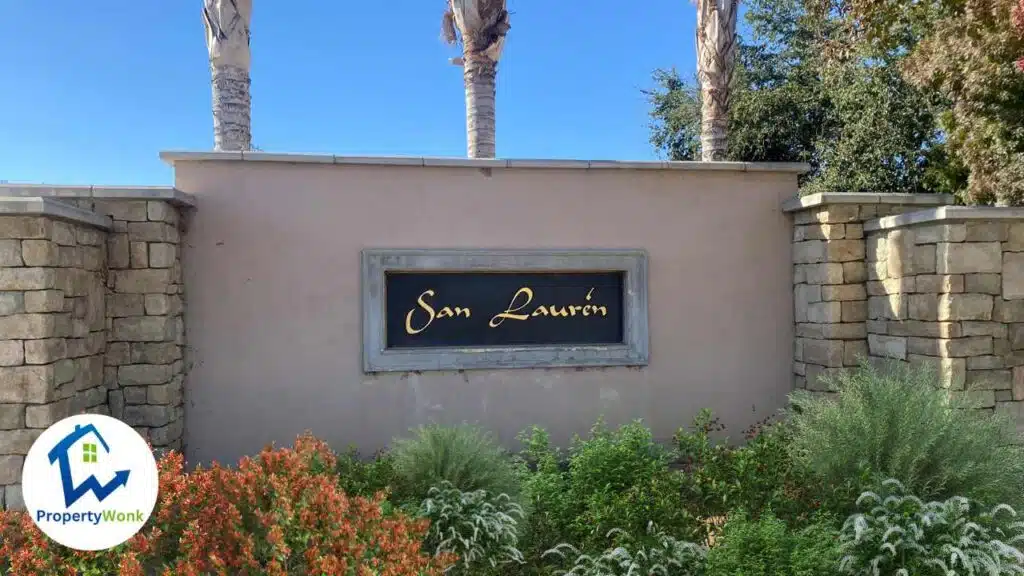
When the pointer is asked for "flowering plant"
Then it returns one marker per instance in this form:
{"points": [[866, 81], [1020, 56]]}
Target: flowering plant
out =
{"points": [[658, 554], [477, 526], [900, 534], [280, 513]]}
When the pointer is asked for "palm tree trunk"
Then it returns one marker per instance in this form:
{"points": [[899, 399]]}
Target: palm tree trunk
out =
{"points": [[227, 40], [231, 108], [481, 26], [479, 73], [716, 58]]}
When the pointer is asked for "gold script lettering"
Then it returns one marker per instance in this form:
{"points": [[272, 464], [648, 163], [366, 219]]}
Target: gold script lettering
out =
{"points": [[602, 309], [558, 311], [550, 310], [508, 313], [447, 312], [426, 307]]}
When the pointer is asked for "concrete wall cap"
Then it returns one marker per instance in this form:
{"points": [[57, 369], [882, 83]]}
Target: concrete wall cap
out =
{"points": [[165, 193], [173, 157], [798, 203], [944, 213], [45, 206]]}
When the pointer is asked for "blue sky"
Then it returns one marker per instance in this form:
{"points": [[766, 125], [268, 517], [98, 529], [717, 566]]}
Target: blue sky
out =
{"points": [[92, 91]]}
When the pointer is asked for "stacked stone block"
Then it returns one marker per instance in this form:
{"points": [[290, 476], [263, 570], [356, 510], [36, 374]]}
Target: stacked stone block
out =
{"points": [[949, 292], [91, 306], [830, 277], [52, 333], [144, 360]]}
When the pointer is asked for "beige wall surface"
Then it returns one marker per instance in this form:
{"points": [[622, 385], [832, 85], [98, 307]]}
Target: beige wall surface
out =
{"points": [[272, 275]]}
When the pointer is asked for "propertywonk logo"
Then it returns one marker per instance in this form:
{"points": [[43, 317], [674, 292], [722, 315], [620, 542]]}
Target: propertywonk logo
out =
{"points": [[90, 482]]}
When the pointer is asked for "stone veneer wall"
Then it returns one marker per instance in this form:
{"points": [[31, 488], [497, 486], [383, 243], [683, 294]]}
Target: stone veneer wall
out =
{"points": [[144, 360], [52, 324], [830, 278], [91, 306], [950, 293]]}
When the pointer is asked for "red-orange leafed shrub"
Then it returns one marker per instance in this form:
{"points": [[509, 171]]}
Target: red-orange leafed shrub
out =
{"points": [[279, 513]]}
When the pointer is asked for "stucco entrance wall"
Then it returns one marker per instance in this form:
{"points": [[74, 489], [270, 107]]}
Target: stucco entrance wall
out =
{"points": [[272, 273]]}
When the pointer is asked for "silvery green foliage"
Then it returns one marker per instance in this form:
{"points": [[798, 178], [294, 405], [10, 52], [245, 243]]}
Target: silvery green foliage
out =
{"points": [[468, 457], [477, 526], [659, 555], [895, 420], [901, 535]]}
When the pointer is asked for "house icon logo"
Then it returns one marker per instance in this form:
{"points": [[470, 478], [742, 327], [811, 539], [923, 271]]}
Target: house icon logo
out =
{"points": [[90, 482], [60, 454]]}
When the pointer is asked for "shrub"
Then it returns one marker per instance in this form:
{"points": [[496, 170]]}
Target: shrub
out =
{"points": [[900, 534], [623, 480], [656, 553], [767, 547], [895, 422], [280, 513], [755, 476], [478, 527], [359, 477], [464, 456], [614, 479], [545, 495]]}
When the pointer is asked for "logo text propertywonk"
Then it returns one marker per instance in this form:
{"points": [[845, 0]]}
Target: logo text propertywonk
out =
{"points": [[94, 518]]}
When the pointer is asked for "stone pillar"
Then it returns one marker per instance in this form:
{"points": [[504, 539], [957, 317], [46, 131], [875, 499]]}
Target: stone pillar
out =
{"points": [[144, 361], [950, 293], [90, 314], [52, 325], [830, 275], [828, 287]]}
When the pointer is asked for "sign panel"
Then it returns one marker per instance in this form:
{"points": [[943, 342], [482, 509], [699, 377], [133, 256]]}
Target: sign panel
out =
{"points": [[473, 309], [493, 309]]}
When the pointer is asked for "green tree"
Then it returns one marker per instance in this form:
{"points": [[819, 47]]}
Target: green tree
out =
{"points": [[807, 89], [965, 52]]}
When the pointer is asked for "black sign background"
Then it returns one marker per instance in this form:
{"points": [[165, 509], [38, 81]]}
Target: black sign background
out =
{"points": [[490, 293]]}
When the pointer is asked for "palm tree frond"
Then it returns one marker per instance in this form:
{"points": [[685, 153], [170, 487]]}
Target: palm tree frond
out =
{"points": [[482, 24], [448, 29]]}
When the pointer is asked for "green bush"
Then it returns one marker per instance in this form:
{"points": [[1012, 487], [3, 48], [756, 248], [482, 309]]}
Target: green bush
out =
{"points": [[755, 476], [481, 528], [464, 456], [360, 477], [767, 547], [614, 479], [895, 422], [657, 553], [544, 495], [900, 534], [624, 480]]}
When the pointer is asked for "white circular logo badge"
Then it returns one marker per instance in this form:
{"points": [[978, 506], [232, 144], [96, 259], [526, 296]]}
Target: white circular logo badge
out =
{"points": [[90, 482]]}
